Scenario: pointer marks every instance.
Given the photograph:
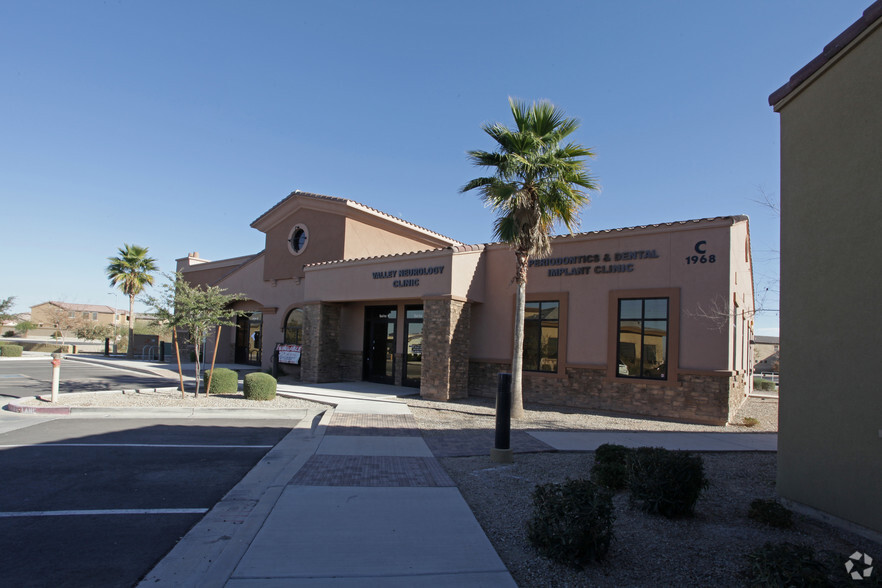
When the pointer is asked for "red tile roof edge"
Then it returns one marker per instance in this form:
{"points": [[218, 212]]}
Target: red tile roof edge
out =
{"points": [[869, 16]]}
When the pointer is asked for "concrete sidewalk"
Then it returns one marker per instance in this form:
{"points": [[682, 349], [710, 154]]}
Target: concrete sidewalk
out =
{"points": [[354, 499]]}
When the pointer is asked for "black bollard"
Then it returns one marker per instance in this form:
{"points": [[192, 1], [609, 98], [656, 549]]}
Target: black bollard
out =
{"points": [[106, 346], [502, 451], [276, 364]]}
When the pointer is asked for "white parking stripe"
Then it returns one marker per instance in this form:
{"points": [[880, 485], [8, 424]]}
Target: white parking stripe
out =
{"points": [[138, 445], [114, 511]]}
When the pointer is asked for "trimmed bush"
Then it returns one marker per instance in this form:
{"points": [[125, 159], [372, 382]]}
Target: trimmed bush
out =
{"points": [[750, 422], [9, 334], [610, 468], [259, 386], [771, 512], [11, 350], [665, 482], [761, 384], [223, 381], [572, 522], [785, 564]]}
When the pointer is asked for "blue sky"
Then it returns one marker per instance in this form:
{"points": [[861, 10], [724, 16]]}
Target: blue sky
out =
{"points": [[173, 125]]}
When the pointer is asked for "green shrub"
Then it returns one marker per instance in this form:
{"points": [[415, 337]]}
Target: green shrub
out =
{"points": [[665, 482], [11, 351], [750, 422], [2, 343], [9, 333], [572, 522], [761, 384], [610, 468], [771, 512], [223, 381], [784, 564], [259, 386]]}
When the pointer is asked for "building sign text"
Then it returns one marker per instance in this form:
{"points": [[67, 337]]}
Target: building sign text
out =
{"points": [[410, 274], [579, 263]]}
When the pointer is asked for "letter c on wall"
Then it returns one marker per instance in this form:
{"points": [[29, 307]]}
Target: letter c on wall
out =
{"points": [[700, 247]]}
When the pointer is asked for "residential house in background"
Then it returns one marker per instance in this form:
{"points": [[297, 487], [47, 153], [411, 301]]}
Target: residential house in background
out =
{"points": [[766, 354], [49, 316]]}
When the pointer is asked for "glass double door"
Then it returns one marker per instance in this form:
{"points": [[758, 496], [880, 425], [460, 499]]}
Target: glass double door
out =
{"points": [[381, 340]]}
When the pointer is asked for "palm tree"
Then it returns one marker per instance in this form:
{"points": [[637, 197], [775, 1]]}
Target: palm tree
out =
{"points": [[537, 183], [131, 272]]}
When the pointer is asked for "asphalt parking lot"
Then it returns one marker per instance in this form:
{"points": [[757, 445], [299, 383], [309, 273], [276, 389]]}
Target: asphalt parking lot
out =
{"points": [[31, 377], [97, 502]]}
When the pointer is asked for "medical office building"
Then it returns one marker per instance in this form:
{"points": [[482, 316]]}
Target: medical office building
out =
{"points": [[653, 320]]}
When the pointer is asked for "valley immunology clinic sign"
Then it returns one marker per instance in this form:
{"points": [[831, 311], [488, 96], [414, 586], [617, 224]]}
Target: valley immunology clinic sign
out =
{"points": [[606, 263], [408, 277]]}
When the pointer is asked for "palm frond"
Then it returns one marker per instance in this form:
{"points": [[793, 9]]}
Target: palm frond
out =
{"points": [[538, 181]]}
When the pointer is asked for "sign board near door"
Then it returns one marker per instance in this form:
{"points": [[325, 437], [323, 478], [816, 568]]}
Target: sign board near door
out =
{"points": [[289, 353]]}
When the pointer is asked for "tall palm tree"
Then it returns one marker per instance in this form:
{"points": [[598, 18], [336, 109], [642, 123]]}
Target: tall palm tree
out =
{"points": [[131, 271], [537, 182]]}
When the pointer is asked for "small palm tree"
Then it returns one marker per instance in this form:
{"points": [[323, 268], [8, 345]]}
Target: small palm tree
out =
{"points": [[131, 272], [537, 182]]}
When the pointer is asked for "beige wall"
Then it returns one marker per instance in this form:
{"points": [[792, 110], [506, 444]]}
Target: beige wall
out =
{"points": [[701, 345], [830, 446], [326, 239], [365, 239], [355, 280]]}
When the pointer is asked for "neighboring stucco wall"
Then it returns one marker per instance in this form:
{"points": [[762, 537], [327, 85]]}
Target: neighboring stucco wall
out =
{"points": [[829, 443]]}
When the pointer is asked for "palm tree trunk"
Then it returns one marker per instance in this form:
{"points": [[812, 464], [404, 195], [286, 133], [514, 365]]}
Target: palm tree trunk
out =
{"points": [[130, 351], [517, 356]]}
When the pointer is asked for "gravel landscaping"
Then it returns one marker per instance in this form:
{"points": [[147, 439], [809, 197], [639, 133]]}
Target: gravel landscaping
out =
{"points": [[706, 550]]}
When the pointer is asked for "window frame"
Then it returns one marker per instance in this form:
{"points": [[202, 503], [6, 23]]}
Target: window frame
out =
{"points": [[673, 343], [562, 298], [302, 325]]}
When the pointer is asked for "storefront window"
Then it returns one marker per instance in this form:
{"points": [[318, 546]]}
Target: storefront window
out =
{"points": [[541, 331], [413, 345], [643, 338], [294, 327]]}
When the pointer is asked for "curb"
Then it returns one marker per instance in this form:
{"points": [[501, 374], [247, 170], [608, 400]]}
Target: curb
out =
{"points": [[15, 406], [190, 411], [210, 551]]}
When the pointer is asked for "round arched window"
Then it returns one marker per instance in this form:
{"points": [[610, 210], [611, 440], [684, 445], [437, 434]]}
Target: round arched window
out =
{"points": [[294, 327], [298, 239]]}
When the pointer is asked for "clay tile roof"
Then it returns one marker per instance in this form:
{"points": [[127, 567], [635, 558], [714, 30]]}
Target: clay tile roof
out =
{"points": [[354, 204], [734, 219], [453, 248], [480, 247], [870, 15], [83, 307]]}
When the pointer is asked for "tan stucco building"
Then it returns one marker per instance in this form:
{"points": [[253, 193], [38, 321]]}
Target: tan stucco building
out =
{"points": [[654, 320], [830, 423], [49, 315]]}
